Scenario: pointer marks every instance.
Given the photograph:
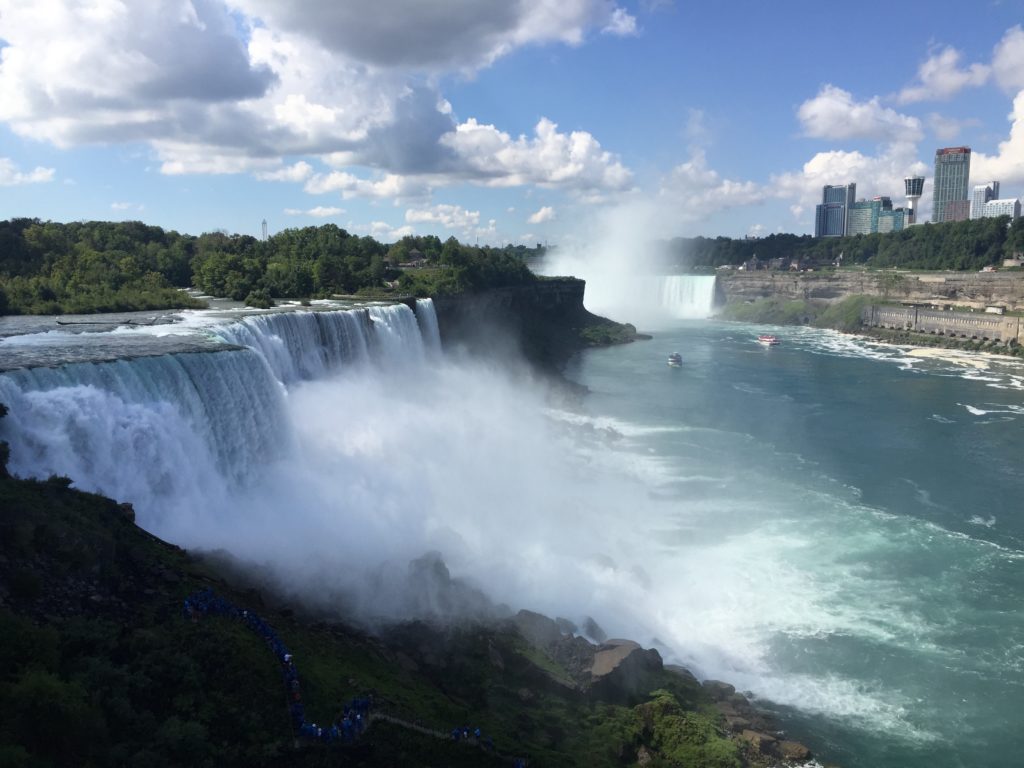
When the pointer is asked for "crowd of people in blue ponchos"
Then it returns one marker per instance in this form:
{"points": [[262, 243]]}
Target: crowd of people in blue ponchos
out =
{"points": [[355, 715]]}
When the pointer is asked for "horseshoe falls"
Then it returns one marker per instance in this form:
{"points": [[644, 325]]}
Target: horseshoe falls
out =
{"points": [[830, 524]]}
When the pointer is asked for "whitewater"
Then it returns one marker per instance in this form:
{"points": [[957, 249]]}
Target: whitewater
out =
{"points": [[831, 525]]}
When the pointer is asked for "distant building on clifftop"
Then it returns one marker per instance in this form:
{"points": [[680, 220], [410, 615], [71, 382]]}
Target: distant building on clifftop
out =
{"points": [[914, 186], [830, 218], [952, 172], [981, 194], [1008, 207]]}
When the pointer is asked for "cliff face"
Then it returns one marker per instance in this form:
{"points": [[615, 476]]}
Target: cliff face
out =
{"points": [[545, 321], [971, 289]]}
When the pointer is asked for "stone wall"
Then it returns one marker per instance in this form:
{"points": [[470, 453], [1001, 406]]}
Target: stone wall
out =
{"points": [[970, 325]]}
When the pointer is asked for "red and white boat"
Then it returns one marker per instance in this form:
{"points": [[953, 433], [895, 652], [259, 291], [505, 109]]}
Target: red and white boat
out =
{"points": [[768, 340]]}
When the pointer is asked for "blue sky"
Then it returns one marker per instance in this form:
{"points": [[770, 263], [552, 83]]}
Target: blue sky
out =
{"points": [[493, 120]]}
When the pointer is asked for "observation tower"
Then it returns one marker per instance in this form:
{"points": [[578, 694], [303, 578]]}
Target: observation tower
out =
{"points": [[915, 188]]}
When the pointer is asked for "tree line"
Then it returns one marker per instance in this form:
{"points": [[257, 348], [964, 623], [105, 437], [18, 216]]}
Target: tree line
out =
{"points": [[961, 245], [97, 266]]}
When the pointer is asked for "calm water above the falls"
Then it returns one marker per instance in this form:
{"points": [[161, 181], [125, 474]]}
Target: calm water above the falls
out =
{"points": [[846, 539]]}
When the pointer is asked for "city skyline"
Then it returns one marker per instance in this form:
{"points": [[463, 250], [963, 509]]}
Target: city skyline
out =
{"points": [[493, 122]]}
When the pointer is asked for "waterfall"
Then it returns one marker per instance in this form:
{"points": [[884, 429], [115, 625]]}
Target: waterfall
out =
{"points": [[427, 318], [187, 424], [167, 424], [688, 296]]}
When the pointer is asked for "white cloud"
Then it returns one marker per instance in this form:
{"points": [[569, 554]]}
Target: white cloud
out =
{"points": [[547, 213], [267, 79], [946, 129], [697, 191], [1007, 165], [940, 77], [84, 72], [448, 216], [319, 212], [621, 24], [10, 176], [456, 34], [298, 172], [127, 206], [389, 186], [833, 114], [550, 159], [881, 174], [381, 230], [1008, 60]]}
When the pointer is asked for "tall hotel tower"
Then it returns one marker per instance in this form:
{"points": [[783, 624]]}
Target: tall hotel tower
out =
{"points": [[952, 171], [914, 186]]}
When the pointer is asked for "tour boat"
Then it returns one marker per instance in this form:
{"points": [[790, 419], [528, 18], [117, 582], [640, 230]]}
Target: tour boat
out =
{"points": [[675, 360], [767, 339]]}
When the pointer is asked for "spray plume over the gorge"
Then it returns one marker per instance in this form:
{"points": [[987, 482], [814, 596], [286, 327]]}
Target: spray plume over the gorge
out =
{"points": [[336, 448], [618, 257]]}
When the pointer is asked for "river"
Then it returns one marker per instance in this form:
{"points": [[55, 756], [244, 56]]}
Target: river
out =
{"points": [[830, 524]]}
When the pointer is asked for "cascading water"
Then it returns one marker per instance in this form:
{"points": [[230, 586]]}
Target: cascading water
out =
{"points": [[688, 296], [427, 318], [163, 426]]}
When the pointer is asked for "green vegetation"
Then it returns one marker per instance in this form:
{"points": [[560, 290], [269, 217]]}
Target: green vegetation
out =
{"points": [[51, 268], [843, 315], [968, 245]]}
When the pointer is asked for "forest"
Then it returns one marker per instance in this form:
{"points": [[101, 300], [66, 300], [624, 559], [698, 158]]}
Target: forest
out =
{"points": [[97, 266], [961, 245]]}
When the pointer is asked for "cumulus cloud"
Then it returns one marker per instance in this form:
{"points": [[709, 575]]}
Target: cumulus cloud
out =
{"points": [[834, 114], [1007, 165], [546, 213], [448, 216], [267, 79], [940, 77], [390, 186], [696, 190], [1008, 60], [549, 158], [319, 212], [948, 128], [81, 72], [300, 171], [381, 230], [10, 176], [621, 24], [880, 174], [457, 34]]}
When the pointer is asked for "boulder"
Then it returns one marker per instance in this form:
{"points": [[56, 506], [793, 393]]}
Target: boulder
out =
{"points": [[718, 690], [757, 739], [792, 750], [624, 670], [538, 630], [593, 630], [682, 672]]}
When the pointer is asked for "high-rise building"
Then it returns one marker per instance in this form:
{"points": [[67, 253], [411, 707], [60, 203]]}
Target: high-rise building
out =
{"points": [[892, 221], [866, 217], [952, 172], [915, 188], [1007, 207], [830, 217], [980, 195]]}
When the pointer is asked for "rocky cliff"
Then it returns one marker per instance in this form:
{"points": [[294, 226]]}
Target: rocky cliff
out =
{"points": [[968, 289], [546, 321]]}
